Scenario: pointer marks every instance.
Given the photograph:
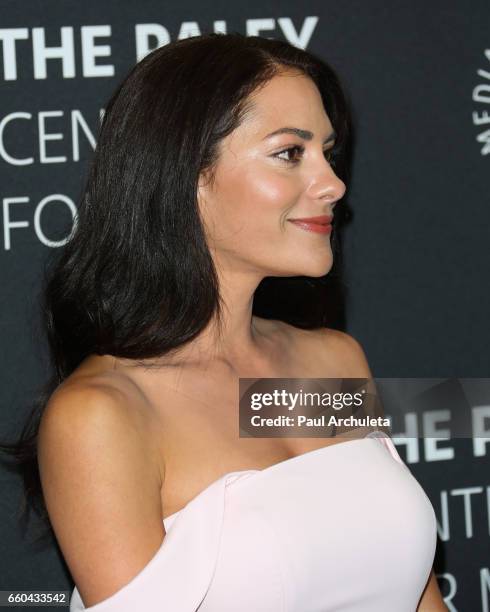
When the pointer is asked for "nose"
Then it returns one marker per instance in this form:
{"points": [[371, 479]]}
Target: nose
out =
{"points": [[327, 186]]}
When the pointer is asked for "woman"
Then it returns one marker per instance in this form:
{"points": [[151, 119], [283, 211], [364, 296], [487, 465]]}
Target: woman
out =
{"points": [[212, 153]]}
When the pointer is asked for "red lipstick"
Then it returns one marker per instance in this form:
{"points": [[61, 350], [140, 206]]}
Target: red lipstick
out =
{"points": [[319, 225]]}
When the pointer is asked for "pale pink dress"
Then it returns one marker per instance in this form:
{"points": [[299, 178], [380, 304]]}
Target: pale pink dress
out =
{"points": [[342, 528]]}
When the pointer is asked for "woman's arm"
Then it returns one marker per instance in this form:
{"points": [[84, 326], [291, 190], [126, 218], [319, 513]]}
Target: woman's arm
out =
{"points": [[101, 486], [431, 600]]}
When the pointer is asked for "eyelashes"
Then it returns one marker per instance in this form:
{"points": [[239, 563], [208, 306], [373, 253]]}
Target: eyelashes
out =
{"points": [[330, 154]]}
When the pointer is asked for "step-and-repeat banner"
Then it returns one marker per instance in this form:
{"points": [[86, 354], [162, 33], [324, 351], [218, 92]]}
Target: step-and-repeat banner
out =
{"points": [[416, 256]]}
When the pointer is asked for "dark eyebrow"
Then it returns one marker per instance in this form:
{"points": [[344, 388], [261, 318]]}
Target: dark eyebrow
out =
{"points": [[304, 134]]}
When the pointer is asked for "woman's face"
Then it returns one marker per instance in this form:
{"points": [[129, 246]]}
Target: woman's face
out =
{"points": [[263, 181]]}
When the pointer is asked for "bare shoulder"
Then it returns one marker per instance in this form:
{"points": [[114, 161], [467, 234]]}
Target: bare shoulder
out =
{"points": [[348, 349], [338, 352], [101, 484]]}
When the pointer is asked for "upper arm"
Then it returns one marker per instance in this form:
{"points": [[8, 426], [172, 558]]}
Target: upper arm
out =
{"points": [[431, 599], [101, 488]]}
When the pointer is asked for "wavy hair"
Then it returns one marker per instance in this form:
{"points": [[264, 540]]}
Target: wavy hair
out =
{"points": [[136, 279]]}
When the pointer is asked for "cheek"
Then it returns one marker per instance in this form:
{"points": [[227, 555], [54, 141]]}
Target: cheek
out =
{"points": [[259, 200], [269, 191]]}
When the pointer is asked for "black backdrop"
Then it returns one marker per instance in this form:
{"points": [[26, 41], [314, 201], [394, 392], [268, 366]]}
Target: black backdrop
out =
{"points": [[416, 251]]}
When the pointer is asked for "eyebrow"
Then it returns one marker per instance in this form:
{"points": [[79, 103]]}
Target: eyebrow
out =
{"points": [[304, 134]]}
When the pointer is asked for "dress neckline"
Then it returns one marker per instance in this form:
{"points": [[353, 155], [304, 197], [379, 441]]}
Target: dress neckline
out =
{"points": [[270, 468]]}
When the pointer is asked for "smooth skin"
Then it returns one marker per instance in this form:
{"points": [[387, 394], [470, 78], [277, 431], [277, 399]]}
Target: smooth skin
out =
{"points": [[100, 453]]}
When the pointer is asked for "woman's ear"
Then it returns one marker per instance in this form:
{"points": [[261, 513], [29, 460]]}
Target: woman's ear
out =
{"points": [[204, 186], [205, 182]]}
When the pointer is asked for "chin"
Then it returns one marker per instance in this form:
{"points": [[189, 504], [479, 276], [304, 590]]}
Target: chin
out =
{"points": [[317, 273], [318, 266], [314, 269], [311, 264]]}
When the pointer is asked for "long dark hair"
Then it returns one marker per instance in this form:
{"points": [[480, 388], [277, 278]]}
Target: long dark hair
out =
{"points": [[136, 279]]}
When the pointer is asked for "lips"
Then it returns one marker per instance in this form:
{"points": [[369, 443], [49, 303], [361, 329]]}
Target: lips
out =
{"points": [[321, 220], [318, 225]]}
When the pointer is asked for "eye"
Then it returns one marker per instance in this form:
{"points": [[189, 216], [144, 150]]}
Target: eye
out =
{"points": [[329, 154], [289, 150]]}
